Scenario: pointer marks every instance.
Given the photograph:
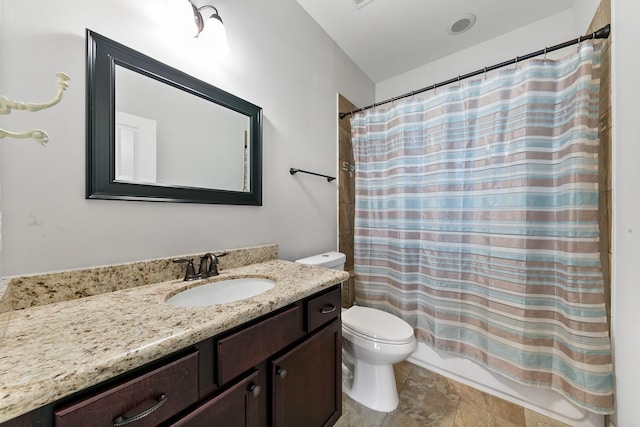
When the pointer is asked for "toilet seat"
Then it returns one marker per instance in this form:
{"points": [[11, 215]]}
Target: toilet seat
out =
{"points": [[377, 325]]}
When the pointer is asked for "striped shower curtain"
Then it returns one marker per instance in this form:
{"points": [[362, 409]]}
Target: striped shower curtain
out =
{"points": [[477, 223]]}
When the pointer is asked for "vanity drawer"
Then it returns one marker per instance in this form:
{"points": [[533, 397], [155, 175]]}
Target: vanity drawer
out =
{"points": [[323, 308], [169, 389], [250, 346]]}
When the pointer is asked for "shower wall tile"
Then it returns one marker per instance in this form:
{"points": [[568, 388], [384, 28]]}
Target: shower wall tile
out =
{"points": [[344, 289], [349, 290], [347, 192], [605, 119], [604, 205], [346, 200], [345, 245], [606, 138], [605, 159], [602, 16], [352, 288], [605, 88], [608, 195], [345, 150], [600, 19], [346, 223]]}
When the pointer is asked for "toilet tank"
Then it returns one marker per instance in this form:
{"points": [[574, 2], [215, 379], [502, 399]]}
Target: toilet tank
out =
{"points": [[334, 260]]}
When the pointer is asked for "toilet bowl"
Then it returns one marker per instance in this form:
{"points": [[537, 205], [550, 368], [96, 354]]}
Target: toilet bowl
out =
{"points": [[372, 341]]}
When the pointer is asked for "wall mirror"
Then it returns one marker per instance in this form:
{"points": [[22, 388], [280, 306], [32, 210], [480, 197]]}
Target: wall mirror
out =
{"points": [[155, 133]]}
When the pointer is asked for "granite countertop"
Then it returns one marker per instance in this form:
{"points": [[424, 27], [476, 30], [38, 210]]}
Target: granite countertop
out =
{"points": [[51, 351]]}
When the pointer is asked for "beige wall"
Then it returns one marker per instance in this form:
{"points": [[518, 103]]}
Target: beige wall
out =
{"points": [[279, 59]]}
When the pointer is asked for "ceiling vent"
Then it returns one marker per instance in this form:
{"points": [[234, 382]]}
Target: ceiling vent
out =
{"points": [[361, 3]]}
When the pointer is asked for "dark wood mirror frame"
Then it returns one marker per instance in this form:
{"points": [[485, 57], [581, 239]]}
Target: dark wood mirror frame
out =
{"points": [[103, 55]]}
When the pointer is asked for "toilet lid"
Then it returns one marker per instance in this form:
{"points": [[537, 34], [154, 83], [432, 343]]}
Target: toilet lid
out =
{"points": [[377, 324]]}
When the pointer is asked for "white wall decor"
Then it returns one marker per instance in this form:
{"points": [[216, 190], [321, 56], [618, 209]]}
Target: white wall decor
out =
{"points": [[7, 105]]}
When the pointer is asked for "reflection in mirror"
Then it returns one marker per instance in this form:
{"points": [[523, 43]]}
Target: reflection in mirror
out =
{"points": [[167, 137], [158, 134]]}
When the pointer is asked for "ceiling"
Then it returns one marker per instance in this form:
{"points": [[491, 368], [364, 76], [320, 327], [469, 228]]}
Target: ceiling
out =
{"points": [[386, 38]]}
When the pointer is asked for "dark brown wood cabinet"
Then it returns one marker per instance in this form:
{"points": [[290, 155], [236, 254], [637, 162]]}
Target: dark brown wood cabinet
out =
{"points": [[246, 348], [146, 400], [307, 383], [237, 406], [281, 370]]}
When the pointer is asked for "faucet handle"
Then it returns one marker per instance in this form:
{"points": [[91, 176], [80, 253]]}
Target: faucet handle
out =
{"points": [[191, 270], [213, 266]]}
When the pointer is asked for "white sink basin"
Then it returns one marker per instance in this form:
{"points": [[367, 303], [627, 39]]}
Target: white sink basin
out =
{"points": [[221, 292]]}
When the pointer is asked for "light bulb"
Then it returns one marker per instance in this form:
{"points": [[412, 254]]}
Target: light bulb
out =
{"points": [[214, 34]]}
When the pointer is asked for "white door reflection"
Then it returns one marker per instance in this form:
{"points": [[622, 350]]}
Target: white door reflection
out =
{"points": [[135, 149]]}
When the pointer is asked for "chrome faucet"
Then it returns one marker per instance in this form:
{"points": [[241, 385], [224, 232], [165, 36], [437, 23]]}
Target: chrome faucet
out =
{"points": [[208, 266]]}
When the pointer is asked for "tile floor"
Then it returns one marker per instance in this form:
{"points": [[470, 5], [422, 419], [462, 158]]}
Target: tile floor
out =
{"points": [[429, 399]]}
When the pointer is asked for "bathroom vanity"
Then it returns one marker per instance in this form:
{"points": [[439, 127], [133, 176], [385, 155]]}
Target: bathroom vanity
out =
{"points": [[270, 360]]}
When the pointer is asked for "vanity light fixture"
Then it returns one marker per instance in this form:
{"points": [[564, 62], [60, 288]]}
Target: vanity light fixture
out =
{"points": [[210, 26]]}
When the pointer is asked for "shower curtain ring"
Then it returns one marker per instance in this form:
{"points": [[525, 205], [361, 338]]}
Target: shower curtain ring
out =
{"points": [[517, 62], [485, 73], [545, 55]]}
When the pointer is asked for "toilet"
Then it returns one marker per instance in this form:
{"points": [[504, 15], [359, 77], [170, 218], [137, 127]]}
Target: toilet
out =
{"points": [[372, 341]]}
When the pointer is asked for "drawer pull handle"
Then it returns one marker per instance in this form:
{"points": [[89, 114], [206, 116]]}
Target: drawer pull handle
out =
{"points": [[281, 372], [255, 390], [122, 420], [329, 308]]}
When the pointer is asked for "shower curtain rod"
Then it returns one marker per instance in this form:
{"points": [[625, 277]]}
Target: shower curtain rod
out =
{"points": [[602, 33]]}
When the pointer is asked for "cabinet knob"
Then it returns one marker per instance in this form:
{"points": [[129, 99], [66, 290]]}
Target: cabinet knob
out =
{"points": [[281, 372], [254, 390]]}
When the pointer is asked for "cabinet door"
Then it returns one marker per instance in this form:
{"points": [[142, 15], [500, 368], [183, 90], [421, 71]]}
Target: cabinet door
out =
{"points": [[307, 383], [238, 406]]}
